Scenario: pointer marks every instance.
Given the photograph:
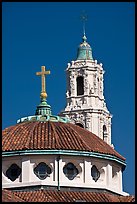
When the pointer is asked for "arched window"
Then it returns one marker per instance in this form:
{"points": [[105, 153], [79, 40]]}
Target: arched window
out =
{"points": [[95, 173], [104, 131], [70, 171], [13, 172], [80, 125], [80, 86], [42, 170]]}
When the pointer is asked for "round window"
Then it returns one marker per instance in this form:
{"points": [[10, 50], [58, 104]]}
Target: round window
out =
{"points": [[42, 170], [70, 171]]}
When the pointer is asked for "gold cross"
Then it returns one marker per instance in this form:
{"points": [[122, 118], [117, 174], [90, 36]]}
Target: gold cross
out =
{"points": [[43, 83]]}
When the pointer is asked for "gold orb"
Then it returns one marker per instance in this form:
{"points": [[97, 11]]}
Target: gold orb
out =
{"points": [[43, 95]]}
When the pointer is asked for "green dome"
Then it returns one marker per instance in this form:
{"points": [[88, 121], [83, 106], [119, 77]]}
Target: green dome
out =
{"points": [[84, 51]]}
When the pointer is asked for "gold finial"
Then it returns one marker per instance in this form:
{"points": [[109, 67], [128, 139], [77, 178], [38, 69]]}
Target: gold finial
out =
{"points": [[43, 83]]}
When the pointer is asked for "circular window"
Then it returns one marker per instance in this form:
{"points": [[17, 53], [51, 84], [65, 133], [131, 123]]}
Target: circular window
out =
{"points": [[95, 173], [13, 172], [42, 170], [70, 171]]}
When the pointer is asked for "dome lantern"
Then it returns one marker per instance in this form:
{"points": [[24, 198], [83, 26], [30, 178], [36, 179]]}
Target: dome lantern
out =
{"points": [[84, 50]]}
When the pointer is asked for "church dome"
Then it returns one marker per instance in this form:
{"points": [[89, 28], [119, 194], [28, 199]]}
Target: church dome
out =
{"points": [[84, 50], [37, 135]]}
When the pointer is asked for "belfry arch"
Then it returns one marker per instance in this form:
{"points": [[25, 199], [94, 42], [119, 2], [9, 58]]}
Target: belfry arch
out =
{"points": [[104, 131], [80, 85]]}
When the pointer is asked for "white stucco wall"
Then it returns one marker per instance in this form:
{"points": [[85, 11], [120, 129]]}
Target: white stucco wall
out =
{"points": [[110, 172]]}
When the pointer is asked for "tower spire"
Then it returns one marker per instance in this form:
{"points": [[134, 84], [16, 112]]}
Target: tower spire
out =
{"points": [[84, 50], [84, 19]]}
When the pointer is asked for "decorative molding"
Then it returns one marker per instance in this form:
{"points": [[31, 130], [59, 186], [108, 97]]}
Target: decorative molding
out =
{"points": [[65, 152]]}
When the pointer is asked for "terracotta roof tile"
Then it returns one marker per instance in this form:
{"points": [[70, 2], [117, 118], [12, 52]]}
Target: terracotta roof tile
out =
{"points": [[62, 196], [9, 196], [53, 135]]}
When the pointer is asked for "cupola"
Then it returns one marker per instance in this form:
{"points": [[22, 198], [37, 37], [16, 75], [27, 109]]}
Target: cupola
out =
{"points": [[84, 50]]}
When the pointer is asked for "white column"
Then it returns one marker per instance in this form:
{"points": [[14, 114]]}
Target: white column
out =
{"points": [[109, 175], [95, 124], [26, 169], [120, 181], [87, 172]]}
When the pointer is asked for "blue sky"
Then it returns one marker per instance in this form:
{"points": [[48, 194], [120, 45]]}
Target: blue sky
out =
{"points": [[48, 33]]}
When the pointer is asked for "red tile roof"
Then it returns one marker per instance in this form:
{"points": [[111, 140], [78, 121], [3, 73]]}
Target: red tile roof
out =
{"points": [[53, 135], [62, 196], [9, 196]]}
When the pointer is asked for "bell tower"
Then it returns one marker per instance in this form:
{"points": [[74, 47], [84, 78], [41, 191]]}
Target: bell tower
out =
{"points": [[86, 105]]}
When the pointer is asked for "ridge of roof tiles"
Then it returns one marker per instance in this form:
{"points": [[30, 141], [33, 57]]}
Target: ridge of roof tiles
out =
{"points": [[43, 195], [53, 136]]}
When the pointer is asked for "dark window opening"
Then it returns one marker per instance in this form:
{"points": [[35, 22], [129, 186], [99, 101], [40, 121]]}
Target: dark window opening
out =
{"points": [[13, 172], [95, 173], [42, 170], [80, 125], [70, 171], [104, 131], [80, 86]]}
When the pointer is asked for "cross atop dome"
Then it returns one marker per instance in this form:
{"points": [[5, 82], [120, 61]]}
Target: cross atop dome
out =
{"points": [[43, 72], [43, 108], [43, 111]]}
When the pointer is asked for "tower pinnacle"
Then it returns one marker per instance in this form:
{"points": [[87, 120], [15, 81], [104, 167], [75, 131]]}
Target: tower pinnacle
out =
{"points": [[84, 50], [84, 19]]}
